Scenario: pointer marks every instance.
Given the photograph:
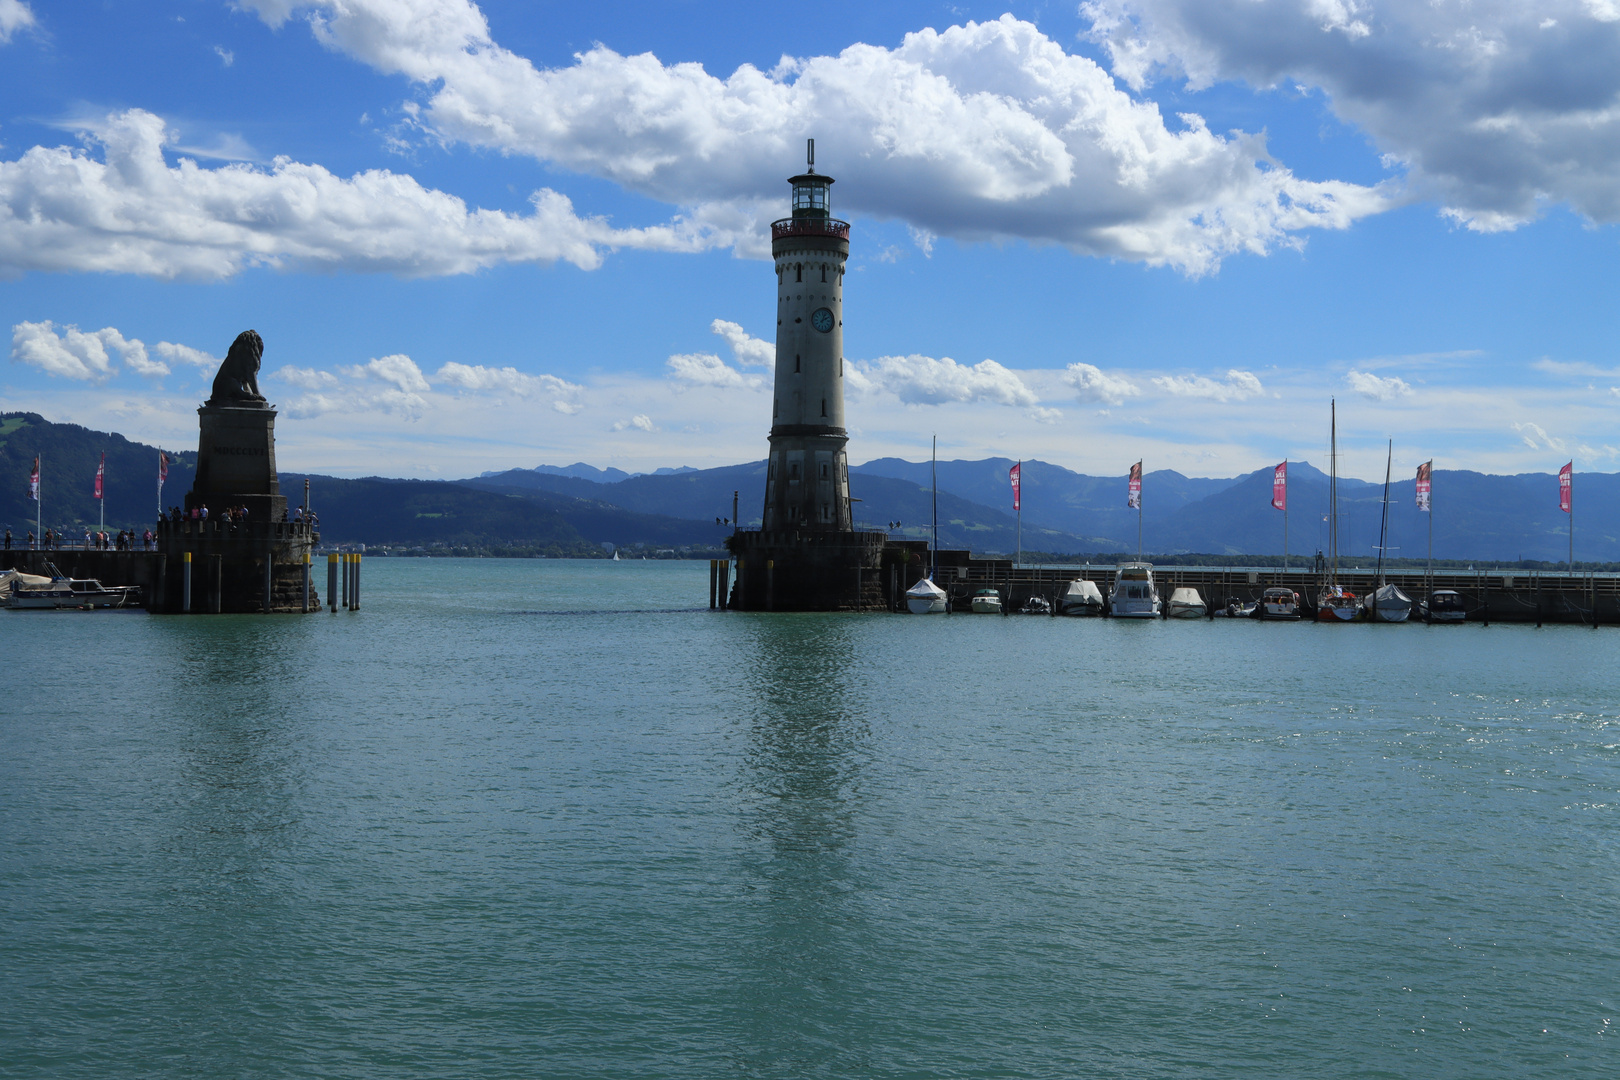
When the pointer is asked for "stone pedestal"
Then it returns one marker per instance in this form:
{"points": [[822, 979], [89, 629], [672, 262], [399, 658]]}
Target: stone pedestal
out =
{"points": [[808, 570], [236, 463]]}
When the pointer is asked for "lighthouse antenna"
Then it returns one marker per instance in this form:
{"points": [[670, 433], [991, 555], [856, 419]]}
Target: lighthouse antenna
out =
{"points": [[810, 154]]}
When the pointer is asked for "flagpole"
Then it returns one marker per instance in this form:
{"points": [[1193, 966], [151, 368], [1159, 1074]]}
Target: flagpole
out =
{"points": [[1139, 471], [1020, 511], [103, 499], [1285, 515], [1431, 527], [1572, 519]]}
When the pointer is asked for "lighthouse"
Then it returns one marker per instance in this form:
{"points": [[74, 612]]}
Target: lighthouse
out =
{"points": [[807, 473], [807, 554]]}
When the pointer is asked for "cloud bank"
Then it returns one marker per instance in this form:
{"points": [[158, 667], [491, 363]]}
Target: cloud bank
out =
{"points": [[1494, 107], [62, 209], [981, 131]]}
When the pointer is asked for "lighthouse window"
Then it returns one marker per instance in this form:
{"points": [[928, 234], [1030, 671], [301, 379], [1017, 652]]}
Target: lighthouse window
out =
{"points": [[824, 472], [823, 406], [795, 363], [798, 271], [793, 471], [823, 273], [810, 197]]}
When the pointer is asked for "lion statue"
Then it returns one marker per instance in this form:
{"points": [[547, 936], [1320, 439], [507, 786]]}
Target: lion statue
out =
{"points": [[238, 380]]}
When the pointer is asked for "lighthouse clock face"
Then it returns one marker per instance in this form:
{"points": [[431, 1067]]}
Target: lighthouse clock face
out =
{"points": [[822, 319]]}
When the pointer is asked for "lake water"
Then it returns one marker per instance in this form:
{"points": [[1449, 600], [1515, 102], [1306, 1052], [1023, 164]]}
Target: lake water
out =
{"points": [[549, 819]]}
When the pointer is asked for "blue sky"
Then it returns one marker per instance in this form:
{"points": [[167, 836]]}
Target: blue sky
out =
{"points": [[483, 236]]}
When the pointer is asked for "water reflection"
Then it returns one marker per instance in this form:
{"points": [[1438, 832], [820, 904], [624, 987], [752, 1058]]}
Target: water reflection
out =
{"points": [[805, 751]]}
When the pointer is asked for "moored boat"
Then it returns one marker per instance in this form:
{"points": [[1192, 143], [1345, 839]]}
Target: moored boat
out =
{"points": [[62, 592], [1185, 604], [986, 602], [1082, 597], [1445, 606], [1336, 604], [1277, 603], [1387, 603], [925, 598], [1134, 595], [1036, 605]]}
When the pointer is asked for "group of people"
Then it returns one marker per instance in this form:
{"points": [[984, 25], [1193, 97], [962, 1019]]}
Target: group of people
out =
{"points": [[232, 516], [123, 540]]}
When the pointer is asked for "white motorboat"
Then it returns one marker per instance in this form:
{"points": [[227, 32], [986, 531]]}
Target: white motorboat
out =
{"points": [[1387, 604], [987, 602], [18, 579], [1185, 604], [1134, 595], [1082, 597], [62, 592], [1277, 603], [925, 598], [1446, 606]]}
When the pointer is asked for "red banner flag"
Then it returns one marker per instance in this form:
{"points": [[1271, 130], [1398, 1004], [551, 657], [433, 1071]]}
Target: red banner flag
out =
{"points": [[101, 476], [1135, 500], [1565, 476], [33, 481], [163, 468], [1279, 487], [1016, 472], [1425, 474]]}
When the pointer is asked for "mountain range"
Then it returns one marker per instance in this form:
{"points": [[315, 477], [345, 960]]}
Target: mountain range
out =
{"points": [[579, 509]]}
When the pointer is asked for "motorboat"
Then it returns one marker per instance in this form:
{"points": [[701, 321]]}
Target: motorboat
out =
{"points": [[926, 598], [1387, 603], [62, 592], [1445, 606], [1036, 605], [1185, 604], [1337, 604], [1082, 597], [10, 579], [1134, 595], [986, 602], [1277, 603]]}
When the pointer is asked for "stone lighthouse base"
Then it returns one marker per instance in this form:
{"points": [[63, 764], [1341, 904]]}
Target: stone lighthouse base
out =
{"points": [[808, 570]]}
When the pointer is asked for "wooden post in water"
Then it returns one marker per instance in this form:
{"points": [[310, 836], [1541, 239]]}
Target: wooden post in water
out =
{"points": [[714, 580], [344, 558], [354, 581], [185, 584], [725, 582], [331, 580]]}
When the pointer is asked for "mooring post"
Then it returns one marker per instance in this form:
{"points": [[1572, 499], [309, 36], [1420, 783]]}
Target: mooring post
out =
{"points": [[1537, 579], [725, 582], [185, 584], [331, 580], [354, 585], [306, 580], [344, 558], [714, 580]]}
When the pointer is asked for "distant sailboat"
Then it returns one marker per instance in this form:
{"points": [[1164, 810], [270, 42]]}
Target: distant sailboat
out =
{"points": [[926, 598], [1387, 602]]}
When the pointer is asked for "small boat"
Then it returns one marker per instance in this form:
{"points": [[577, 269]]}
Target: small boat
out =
{"points": [[62, 592], [986, 602], [1445, 606], [1336, 604], [925, 598], [1185, 604], [1277, 603], [1387, 604], [1036, 605], [1235, 609], [10, 579], [1082, 597], [1134, 596]]}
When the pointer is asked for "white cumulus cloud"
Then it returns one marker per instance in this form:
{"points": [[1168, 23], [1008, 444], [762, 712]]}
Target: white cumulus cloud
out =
{"points": [[14, 15], [1237, 386], [62, 209], [1376, 387], [185, 354], [978, 131], [397, 370], [76, 354], [924, 380], [1093, 384], [1494, 107], [749, 351], [1536, 438], [304, 378], [479, 379], [640, 422], [707, 369]]}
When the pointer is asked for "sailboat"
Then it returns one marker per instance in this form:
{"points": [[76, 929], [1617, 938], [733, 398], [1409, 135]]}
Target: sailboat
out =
{"points": [[1386, 603], [1334, 603], [926, 598]]}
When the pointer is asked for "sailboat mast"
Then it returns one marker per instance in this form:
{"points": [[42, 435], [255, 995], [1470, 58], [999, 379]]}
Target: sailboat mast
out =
{"points": [[1333, 487], [933, 483], [1383, 526]]}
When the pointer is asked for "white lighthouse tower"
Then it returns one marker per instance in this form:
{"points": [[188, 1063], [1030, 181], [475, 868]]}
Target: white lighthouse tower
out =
{"points": [[807, 479]]}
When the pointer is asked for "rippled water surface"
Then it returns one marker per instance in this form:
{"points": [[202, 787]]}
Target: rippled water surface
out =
{"points": [[548, 819]]}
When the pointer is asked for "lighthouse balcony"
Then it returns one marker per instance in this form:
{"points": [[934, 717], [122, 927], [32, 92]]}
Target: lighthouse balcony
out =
{"points": [[807, 226]]}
